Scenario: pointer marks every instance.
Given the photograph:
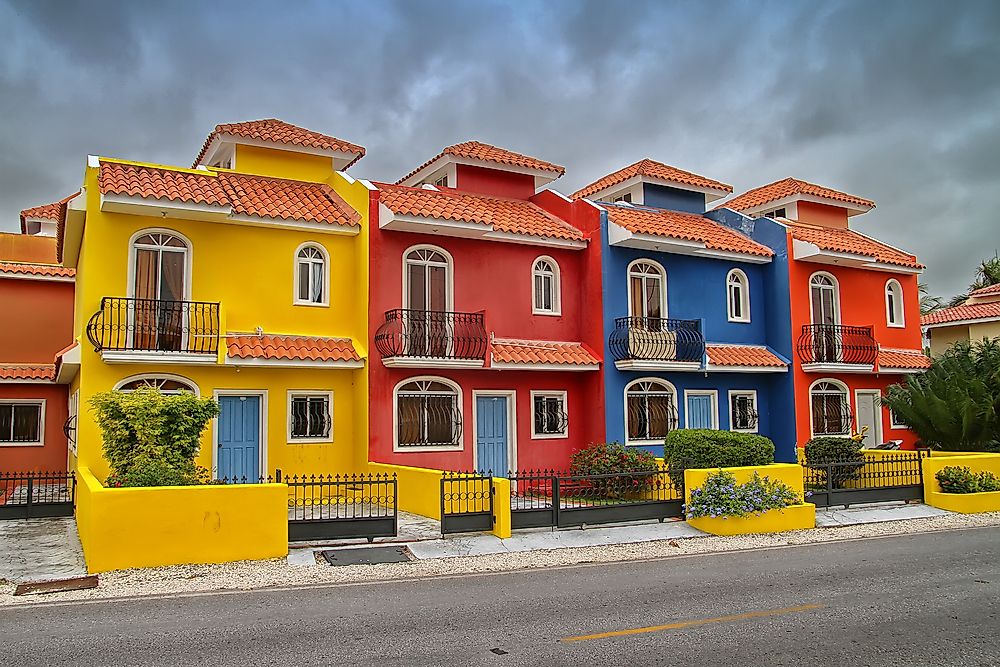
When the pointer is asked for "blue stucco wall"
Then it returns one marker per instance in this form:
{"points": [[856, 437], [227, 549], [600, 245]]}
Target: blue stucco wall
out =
{"points": [[674, 199]]}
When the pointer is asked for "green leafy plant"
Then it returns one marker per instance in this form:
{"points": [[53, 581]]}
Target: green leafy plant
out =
{"points": [[613, 458], [151, 439], [846, 452], [721, 496], [705, 448], [955, 405], [959, 479]]}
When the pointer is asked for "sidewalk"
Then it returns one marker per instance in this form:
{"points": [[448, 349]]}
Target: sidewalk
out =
{"points": [[40, 550]]}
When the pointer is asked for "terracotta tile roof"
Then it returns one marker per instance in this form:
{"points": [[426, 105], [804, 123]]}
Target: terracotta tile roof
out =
{"points": [[910, 359], [47, 270], [756, 356], [684, 226], [302, 348], [515, 216], [973, 311], [247, 195], [786, 188], [477, 150], [986, 291], [850, 241], [27, 372], [653, 169], [279, 132], [518, 351], [51, 211]]}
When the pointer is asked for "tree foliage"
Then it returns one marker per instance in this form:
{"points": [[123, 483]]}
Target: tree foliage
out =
{"points": [[955, 405], [151, 439]]}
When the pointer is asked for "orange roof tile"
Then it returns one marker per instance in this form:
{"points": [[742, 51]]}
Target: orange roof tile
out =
{"points": [[756, 356], [653, 169], [47, 270], [28, 372], [910, 359], [850, 241], [51, 211], [786, 188], [303, 348], [684, 226], [515, 216], [969, 311], [517, 351], [260, 196], [279, 132], [986, 291], [477, 150]]}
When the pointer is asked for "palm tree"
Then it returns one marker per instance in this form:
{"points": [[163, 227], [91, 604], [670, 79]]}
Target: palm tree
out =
{"points": [[928, 303], [987, 273]]}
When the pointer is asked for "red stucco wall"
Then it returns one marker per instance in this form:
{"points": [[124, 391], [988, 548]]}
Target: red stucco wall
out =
{"points": [[494, 182], [52, 455], [821, 214], [44, 322]]}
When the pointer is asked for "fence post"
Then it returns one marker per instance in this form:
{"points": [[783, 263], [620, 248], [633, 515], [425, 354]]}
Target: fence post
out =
{"points": [[31, 493], [555, 501], [501, 508]]}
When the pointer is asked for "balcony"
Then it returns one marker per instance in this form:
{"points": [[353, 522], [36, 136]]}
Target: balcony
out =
{"points": [[825, 348], [657, 344], [154, 331], [432, 339]]}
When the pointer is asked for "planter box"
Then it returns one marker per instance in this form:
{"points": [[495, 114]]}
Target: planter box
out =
{"points": [[966, 503], [796, 517]]}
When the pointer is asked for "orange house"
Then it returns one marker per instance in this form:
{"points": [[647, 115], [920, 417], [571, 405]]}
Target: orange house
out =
{"points": [[36, 295]]}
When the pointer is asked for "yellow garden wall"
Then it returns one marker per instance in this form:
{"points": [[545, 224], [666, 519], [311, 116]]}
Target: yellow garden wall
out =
{"points": [[419, 489], [175, 525], [966, 503]]}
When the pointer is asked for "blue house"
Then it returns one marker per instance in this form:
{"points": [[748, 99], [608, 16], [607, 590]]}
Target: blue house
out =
{"points": [[696, 314]]}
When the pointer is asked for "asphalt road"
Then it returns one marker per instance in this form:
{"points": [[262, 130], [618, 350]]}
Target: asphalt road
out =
{"points": [[930, 599]]}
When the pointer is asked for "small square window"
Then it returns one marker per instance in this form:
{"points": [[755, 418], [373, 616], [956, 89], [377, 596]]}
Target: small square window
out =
{"points": [[310, 417], [442, 182], [894, 420], [21, 423], [743, 411], [549, 416]]}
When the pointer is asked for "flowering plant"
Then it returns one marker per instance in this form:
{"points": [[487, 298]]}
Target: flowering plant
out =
{"points": [[722, 497]]}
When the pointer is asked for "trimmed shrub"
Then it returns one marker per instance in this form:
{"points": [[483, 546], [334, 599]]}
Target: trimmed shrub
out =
{"points": [[959, 479], [615, 458], [720, 496], [706, 448], [828, 449]]}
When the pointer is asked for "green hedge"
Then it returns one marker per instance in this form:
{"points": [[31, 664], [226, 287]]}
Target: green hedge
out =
{"points": [[827, 449], [706, 448]]}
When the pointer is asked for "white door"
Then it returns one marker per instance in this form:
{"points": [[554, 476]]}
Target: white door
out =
{"points": [[870, 415]]}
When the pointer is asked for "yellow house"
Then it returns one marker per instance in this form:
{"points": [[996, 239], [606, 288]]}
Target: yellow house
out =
{"points": [[977, 318], [244, 278]]}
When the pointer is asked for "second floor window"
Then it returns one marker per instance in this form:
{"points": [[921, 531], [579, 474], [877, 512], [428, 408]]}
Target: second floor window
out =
{"points": [[545, 275], [738, 296], [647, 290], [311, 276], [894, 304]]}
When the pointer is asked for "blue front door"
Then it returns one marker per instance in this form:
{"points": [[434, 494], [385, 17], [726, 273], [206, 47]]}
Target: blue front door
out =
{"points": [[491, 435], [700, 412], [238, 457]]}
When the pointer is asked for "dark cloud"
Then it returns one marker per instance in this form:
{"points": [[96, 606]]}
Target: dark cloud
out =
{"points": [[896, 100]]}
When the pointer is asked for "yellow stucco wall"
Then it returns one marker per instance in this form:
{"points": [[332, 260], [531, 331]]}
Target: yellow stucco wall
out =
{"points": [[282, 164], [966, 503], [944, 337]]}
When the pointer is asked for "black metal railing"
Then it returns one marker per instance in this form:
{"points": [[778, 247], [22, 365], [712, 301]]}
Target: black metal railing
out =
{"points": [[466, 502], [837, 344], [25, 495], [324, 507], [869, 478], [831, 415], [140, 325], [744, 416], [651, 415], [432, 334], [657, 339], [550, 417]]}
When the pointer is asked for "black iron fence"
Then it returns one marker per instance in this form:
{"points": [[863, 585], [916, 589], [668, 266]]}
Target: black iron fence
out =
{"points": [[466, 502], [153, 325], [325, 507], [657, 339], [434, 334], [837, 344], [871, 479], [26, 495]]}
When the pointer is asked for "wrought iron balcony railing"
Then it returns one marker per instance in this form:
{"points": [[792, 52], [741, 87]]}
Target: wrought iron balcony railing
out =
{"points": [[837, 344], [152, 325], [657, 339], [432, 334]]}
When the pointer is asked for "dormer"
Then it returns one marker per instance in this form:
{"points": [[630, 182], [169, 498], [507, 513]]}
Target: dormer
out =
{"points": [[476, 167], [801, 201], [652, 183], [272, 147], [43, 220]]}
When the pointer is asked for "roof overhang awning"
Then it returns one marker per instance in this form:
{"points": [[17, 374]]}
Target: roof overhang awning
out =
{"points": [[621, 237], [804, 251]]}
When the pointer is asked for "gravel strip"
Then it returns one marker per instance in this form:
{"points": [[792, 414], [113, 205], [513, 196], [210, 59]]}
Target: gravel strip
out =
{"points": [[247, 575]]}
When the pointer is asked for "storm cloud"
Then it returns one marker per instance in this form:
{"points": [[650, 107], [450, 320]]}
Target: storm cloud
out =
{"points": [[895, 101]]}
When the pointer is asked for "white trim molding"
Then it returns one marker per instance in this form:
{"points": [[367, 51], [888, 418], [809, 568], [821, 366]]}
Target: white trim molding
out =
{"points": [[40, 402], [308, 393], [513, 366]]}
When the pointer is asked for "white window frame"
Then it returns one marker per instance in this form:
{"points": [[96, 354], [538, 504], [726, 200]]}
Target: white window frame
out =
{"points": [[157, 376], [188, 258], [893, 424], [40, 402], [663, 286], [459, 402], [564, 399], [714, 394], [660, 381], [836, 296], [733, 393], [449, 274], [325, 301], [894, 317], [847, 398], [738, 276], [308, 393], [556, 282], [73, 412]]}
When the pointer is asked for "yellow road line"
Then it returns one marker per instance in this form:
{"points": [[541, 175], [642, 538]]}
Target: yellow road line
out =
{"points": [[690, 624]]}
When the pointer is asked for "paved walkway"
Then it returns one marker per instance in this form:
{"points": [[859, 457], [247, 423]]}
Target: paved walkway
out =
{"points": [[875, 513], [40, 550]]}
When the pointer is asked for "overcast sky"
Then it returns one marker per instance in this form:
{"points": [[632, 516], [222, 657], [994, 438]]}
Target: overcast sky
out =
{"points": [[895, 101]]}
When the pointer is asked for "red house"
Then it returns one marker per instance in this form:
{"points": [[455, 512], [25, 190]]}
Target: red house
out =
{"points": [[486, 316], [854, 307]]}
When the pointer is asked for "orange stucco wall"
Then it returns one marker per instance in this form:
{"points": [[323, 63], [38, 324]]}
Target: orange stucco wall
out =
{"points": [[27, 249], [821, 214], [44, 322], [51, 455]]}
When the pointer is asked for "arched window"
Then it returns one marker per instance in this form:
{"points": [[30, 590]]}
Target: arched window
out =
{"points": [[647, 290], [545, 277], [650, 411], [428, 415], [427, 279], [738, 296], [830, 408], [312, 276], [167, 384], [894, 304], [824, 299], [160, 266]]}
